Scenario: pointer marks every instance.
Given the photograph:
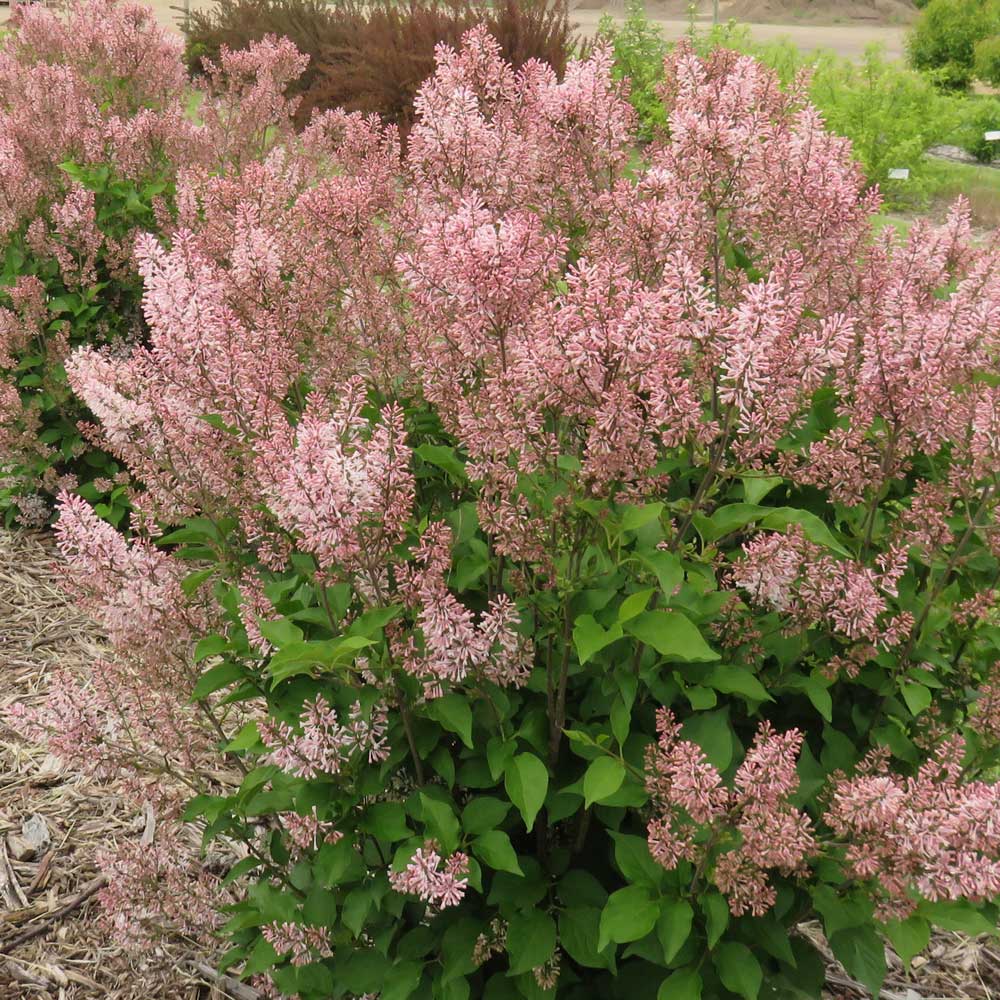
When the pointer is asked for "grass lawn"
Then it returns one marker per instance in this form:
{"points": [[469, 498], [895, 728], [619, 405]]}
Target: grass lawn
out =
{"points": [[980, 185]]}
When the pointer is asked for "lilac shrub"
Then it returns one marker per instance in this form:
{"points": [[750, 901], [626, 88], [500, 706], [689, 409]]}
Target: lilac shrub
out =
{"points": [[586, 558]]}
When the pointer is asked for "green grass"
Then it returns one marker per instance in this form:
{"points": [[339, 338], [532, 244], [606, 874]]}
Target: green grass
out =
{"points": [[898, 222], [980, 185]]}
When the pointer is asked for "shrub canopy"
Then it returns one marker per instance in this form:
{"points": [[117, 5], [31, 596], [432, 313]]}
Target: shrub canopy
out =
{"points": [[579, 564]]}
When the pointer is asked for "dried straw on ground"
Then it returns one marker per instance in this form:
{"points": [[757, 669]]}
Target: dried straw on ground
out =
{"points": [[40, 631]]}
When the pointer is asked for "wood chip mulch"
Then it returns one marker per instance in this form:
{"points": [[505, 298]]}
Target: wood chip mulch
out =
{"points": [[69, 956]]}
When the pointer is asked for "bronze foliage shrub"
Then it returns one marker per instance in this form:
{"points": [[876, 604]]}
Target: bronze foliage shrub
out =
{"points": [[373, 56]]}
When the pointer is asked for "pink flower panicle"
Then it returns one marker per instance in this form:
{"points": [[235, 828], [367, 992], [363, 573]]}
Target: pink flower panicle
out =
{"points": [[325, 745], [813, 588], [755, 815], [438, 882], [930, 835], [306, 944], [455, 645], [157, 889], [307, 832]]}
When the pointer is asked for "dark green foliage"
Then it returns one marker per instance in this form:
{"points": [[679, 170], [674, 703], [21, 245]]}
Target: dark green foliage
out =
{"points": [[47, 443]]}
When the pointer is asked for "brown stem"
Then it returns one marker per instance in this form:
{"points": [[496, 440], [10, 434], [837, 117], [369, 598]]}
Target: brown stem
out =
{"points": [[404, 711], [48, 924]]}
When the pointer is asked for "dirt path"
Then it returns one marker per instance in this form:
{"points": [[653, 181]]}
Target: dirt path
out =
{"points": [[847, 40]]}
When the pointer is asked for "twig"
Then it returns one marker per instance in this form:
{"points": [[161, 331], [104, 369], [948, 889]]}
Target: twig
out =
{"points": [[46, 925], [236, 989], [11, 893], [28, 978], [41, 876]]}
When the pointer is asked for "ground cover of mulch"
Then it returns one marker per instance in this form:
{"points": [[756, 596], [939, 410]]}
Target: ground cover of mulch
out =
{"points": [[51, 944], [70, 817]]}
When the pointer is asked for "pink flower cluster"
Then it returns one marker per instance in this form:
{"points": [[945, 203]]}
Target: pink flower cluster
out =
{"points": [[325, 744], [306, 944], [104, 84], [438, 882], [126, 719], [309, 831], [157, 888], [932, 835], [454, 644], [348, 497], [810, 587], [753, 827]]}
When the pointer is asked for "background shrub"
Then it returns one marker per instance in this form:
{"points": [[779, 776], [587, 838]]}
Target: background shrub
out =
{"points": [[976, 117], [639, 49], [890, 114], [94, 127], [943, 40], [372, 57]]}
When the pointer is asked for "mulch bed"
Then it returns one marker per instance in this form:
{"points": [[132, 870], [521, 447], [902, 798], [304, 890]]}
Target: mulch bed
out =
{"points": [[72, 959], [53, 894]]}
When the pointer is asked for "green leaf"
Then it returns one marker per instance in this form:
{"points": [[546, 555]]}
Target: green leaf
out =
{"points": [[684, 984], [714, 734], [220, 676], [494, 847], [716, 911], [590, 638], [755, 488], [634, 860], [211, 645], [917, 697], [734, 516], [531, 940], [628, 915], [193, 581], [637, 517], [401, 981], [673, 927], [771, 934], [301, 657], [736, 680], [453, 713], [579, 928], [819, 695], [666, 566], [634, 604], [739, 971], [603, 778], [246, 738], [444, 458], [442, 822], [386, 821], [673, 635], [908, 937], [526, 779], [484, 813], [281, 632], [862, 954], [499, 753], [812, 527], [957, 915]]}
